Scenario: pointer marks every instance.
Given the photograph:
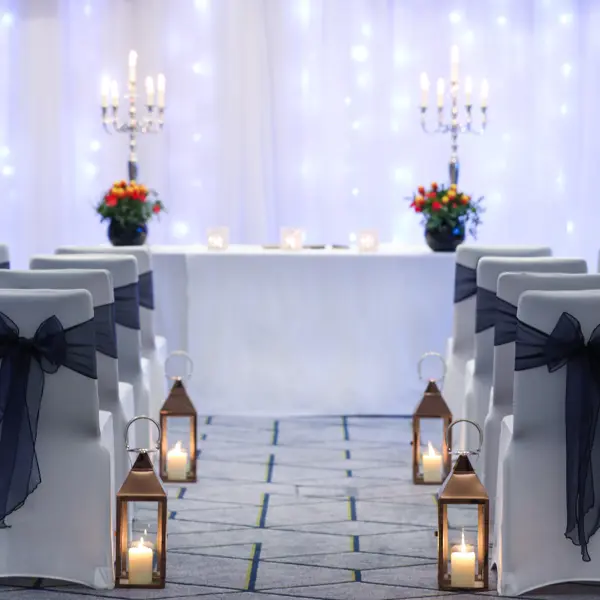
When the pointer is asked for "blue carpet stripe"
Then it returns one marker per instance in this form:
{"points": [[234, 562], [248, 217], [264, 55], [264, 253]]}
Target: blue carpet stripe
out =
{"points": [[270, 466], [347, 453], [345, 428], [181, 493], [208, 421], [262, 519], [172, 514], [253, 569], [355, 544], [357, 575], [352, 508], [275, 439], [348, 472]]}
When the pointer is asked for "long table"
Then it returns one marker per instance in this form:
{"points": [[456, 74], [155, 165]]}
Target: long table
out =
{"points": [[275, 332]]}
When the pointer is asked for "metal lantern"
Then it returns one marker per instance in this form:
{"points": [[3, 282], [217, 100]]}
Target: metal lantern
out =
{"points": [[178, 417], [141, 554], [430, 465], [463, 559]]}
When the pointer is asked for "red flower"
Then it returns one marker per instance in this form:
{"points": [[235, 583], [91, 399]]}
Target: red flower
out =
{"points": [[418, 209], [156, 208], [110, 200], [436, 206], [431, 195]]}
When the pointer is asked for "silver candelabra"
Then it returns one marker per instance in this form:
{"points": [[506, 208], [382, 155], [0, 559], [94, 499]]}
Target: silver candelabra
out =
{"points": [[133, 126], [454, 127]]}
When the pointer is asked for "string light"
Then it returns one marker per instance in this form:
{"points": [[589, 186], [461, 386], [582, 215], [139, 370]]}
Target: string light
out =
{"points": [[7, 19], [566, 19], [8, 171], [359, 53], [502, 20], [94, 145], [454, 17], [566, 69]]}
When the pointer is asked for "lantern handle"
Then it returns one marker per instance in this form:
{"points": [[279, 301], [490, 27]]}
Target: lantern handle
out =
{"points": [[422, 360], [472, 452], [142, 450], [190, 369]]}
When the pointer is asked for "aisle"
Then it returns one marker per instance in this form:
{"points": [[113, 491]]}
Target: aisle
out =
{"points": [[299, 508]]}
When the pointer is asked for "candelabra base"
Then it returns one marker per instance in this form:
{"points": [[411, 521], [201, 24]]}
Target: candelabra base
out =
{"points": [[127, 235], [445, 239]]}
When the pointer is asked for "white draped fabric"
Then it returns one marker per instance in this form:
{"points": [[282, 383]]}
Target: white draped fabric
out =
{"points": [[298, 112]]}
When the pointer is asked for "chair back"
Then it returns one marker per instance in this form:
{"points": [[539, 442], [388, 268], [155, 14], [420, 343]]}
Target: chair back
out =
{"points": [[146, 282], [534, 498], [4, 257], [467, 257]]}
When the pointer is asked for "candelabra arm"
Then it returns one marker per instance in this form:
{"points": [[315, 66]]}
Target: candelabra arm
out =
{"points": [[441, 128]]}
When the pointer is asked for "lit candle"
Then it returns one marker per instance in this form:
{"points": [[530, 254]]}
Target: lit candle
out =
{"points": [[485, 92], [132, 65], [440, 93], [150, 91], [462, 565], [454, 64], [140, 564], [424, 89], [160, 88], [432, 466], [105, 91], [177, 459], [468, 90], [114, 88]]}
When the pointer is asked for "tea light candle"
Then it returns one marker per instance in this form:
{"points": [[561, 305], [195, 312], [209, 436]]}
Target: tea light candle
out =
{"points": [[140, 564], [432, 466], [177, 460], [462, 565]]}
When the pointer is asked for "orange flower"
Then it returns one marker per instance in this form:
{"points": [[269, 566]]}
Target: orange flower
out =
{"points": [[419, 200], [122, 183], [465, 199], [421, 190], [434, 186], [451, 193]]}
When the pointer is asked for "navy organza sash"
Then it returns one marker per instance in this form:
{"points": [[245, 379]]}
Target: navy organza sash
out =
{"points": [[106, 335], [505, 327], [127, 306], [465, 283], [25, 364], [566, 347], [485, 312], [147, 290], [5, 265]]}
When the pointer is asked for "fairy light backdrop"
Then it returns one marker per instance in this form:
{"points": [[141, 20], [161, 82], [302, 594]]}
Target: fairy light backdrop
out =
{"points": [[300, 113]]}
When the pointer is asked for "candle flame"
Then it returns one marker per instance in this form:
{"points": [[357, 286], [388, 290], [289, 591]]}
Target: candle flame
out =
{"points": [[431, 450], [424, 82], [141, 543], [133, 58], [177, 447], [463, 546]]}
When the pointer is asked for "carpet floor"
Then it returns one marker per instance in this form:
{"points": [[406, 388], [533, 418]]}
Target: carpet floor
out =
{"points": [[292, 509]]}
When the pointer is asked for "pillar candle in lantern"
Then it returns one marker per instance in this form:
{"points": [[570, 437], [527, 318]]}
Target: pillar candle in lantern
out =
{"points": [[432, 466], [462, 565], [140, 564], [177, 463]]}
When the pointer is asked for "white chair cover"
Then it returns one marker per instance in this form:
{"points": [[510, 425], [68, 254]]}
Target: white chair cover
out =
{"points": [[107, 439], [63, 530], [510, 288], [461, 347], [479, 371], [154, 348], [123, 270], [4, 257], [99, 284], [534, 550]]}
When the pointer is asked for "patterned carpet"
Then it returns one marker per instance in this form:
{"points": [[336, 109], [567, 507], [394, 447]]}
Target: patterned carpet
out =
{"points": [[320, 509]]}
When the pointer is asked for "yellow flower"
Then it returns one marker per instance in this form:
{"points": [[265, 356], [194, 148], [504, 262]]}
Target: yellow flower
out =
{"points": [[445, 200], [453, 186], [419, 199], [451, 194]]}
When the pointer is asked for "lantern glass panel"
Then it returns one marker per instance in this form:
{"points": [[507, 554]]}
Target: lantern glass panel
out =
{"points": [[180, 443], [141, 545], [430, 460], [463, 546]]}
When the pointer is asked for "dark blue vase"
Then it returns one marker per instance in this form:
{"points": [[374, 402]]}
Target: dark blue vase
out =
{"points": [[127, 235], [444, 239]]}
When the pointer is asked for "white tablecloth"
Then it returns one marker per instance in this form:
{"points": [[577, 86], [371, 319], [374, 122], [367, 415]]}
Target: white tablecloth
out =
{"points": [[312, 332]]}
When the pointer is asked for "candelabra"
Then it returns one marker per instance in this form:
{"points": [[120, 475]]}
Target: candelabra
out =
{"points": [[133, 126], [454, 127]]}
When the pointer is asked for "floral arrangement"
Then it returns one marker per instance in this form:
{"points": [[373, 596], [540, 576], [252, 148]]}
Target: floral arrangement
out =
{"points": [[447, 209], [129, 204]]}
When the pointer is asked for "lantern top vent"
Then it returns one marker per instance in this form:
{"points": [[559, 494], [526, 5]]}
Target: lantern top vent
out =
{"points": [[432, 404]]}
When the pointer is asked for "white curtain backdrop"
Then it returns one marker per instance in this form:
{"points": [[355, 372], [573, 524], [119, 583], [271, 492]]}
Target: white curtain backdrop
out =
{"points": [[299, 113]]}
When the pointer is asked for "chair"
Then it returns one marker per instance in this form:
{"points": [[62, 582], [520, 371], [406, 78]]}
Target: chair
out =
{"points": [[461, 346], [154, 348], [117, 400], [4, 257], [556, 399], [62, 529], [479, 371], [123, 270], [510, 288]]}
